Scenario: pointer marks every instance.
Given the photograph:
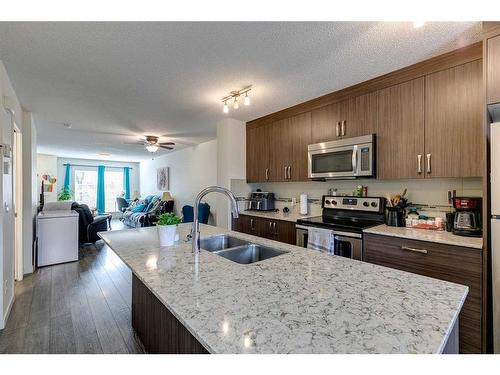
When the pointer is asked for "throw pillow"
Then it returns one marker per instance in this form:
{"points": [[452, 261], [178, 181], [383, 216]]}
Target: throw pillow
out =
{"points": [[138, 208]]}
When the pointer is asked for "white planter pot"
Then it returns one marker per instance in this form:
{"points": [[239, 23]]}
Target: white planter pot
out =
{"points": [[167, 234]]}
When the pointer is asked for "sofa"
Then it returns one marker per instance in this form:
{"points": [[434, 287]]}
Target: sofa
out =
{"points": [[144, 212]]}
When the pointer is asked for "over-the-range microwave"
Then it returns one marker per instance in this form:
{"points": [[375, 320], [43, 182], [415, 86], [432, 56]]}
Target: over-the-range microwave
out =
{"points": [[343, 159]]}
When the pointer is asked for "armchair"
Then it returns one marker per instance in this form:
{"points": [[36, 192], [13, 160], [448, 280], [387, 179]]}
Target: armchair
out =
{"points": [[88, 226]]}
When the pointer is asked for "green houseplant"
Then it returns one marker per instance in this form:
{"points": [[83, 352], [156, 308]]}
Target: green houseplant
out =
{"points": [[65, 194], [167, 228]]}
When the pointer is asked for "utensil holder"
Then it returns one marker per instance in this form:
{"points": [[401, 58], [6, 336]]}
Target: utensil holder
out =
{"points": [[395, 217]]}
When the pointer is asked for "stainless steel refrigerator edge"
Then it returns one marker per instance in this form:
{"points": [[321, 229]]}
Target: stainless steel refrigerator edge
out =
{"points": [[495, 230]]}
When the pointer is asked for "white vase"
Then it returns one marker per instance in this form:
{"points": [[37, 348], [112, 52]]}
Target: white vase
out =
{"points": [[167, 234]]}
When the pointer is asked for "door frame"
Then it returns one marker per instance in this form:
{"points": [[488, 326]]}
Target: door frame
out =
{"points": [[17, 199]]}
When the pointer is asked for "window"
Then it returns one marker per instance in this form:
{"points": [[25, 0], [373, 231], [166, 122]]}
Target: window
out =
{"points": [[113, 187], [86, 187]]}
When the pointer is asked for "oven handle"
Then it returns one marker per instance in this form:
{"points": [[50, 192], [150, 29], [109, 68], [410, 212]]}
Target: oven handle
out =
{"points": [[335, 232]]}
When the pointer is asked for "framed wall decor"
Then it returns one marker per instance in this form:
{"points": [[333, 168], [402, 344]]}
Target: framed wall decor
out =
{"points": [[162, 179]]}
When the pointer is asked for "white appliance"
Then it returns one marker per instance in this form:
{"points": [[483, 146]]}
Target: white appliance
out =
{"points": [[57, 235], [342, 159], [495, 230]]}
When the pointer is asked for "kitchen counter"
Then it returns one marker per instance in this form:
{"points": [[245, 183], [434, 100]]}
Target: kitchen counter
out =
{"points": [[427, 235], [300, 302], [278, 215]]}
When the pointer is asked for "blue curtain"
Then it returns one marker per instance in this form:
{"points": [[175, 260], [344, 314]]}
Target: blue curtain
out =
{"points": [[101, 196], [126, 182], [67, 177]]}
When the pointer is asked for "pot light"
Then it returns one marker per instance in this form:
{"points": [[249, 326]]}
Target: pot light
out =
{"points": [[104, 155], [234, 95], [417, 24], [152, 148]]}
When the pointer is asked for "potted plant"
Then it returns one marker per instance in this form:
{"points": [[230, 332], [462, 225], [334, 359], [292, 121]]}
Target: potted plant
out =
{"points": [[167, 228], [65, 194]]}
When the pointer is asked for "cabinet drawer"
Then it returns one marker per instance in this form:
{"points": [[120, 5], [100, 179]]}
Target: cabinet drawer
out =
{"points": [[456, 264]]}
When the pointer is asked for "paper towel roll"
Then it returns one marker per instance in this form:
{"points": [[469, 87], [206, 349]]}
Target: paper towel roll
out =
{"points": [[303, 204]]}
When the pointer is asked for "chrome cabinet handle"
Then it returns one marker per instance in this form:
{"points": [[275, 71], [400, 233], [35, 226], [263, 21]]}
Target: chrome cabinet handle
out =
{"points": [[421, 251], [428, 163], [338, 129], [270, 227], [419, 157], [267, 173], [286, 176], [289, 172], [252, 227], [274, 227], [343, 128]]}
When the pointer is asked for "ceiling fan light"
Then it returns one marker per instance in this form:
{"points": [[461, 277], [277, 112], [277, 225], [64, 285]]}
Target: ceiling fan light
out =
{"points": [[152, 148]]}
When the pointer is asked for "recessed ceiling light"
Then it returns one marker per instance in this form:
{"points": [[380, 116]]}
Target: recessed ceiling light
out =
{"points": [[417, 24], [67, 125], [104, 155]]}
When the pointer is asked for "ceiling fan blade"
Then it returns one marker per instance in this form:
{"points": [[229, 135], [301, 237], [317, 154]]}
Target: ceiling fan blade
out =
{"points": [[166, 147], [134, 143], [167, 143]]}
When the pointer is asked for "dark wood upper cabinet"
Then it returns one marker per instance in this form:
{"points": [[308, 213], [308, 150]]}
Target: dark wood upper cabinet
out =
{"points": [[258, 152], [400, 136], [300, 130], [453, 122], [361, 116], [325, 123], [493, 70]]}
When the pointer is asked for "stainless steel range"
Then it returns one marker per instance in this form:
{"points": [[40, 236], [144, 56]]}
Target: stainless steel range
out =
{"points": [[345, 217]]}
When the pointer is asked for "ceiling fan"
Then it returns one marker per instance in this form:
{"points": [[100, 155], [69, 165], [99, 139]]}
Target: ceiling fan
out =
{"points": [[152, 144]]}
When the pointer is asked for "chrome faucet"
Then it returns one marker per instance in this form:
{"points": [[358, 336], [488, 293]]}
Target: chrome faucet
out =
{"points": [[195, 231]]}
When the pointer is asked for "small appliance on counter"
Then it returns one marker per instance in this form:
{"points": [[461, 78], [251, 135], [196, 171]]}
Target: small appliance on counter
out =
{"points": [[260, 201], [467, 218]]}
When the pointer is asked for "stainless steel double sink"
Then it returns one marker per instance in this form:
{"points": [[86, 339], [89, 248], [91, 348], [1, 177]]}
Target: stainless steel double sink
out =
{"points": [[238, 250]]}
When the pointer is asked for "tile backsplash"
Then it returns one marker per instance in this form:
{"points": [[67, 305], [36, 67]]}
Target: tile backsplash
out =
{"points": [[429, 192]]}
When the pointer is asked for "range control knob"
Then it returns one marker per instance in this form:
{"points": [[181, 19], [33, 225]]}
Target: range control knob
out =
{"points": [[366, 204], [327, 202], [374, 204], [334, 203]]}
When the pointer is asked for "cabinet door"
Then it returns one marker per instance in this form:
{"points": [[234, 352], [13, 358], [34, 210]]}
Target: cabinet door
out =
{"points": [[361, 117], [299, 128], [258, 154], [324, 123], [280, 150], [493, 70], [400, 135], [453, 121], [457, 264], [284, 231]]}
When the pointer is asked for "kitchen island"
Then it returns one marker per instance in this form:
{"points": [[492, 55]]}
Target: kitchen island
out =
{"points": [[302, 301]]}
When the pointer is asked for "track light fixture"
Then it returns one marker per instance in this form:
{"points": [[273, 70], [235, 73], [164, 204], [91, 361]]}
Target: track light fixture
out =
{"points": [[234, 95]]}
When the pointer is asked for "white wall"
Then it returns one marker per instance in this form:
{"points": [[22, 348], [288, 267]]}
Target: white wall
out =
{"points": [[47, 164], [6, 197], [30, 192], [231, 162], [190, 170]]}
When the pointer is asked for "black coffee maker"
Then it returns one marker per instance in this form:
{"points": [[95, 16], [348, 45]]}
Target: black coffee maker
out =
{"points": [[467, 218]]}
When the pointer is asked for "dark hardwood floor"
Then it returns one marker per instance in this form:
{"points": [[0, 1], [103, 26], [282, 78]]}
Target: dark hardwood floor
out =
{"points": [[79, 307]]}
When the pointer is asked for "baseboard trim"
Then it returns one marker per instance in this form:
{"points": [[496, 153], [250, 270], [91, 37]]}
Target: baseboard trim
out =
{"points": [[7, 312]]}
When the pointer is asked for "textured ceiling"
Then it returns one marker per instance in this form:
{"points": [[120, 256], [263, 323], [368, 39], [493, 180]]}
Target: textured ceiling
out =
{"points": [[117, 81]]}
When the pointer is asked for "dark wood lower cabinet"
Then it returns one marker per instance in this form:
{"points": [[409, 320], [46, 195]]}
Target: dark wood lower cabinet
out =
{"points": [[158, 329], [461, 265], [277, 230]]}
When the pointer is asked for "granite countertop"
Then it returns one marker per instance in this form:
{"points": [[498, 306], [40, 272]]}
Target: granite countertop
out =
{"points": [[300, 302], [427, 235], [278, 215]]}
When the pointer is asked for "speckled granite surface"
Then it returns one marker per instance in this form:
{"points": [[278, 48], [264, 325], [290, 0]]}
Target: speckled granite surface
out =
{"points": [[427, 235], [300, 302]]}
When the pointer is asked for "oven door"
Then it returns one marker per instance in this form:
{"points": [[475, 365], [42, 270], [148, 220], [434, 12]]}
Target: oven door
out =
{"points": [[302, 234], [338, 162], [349, 247]]}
